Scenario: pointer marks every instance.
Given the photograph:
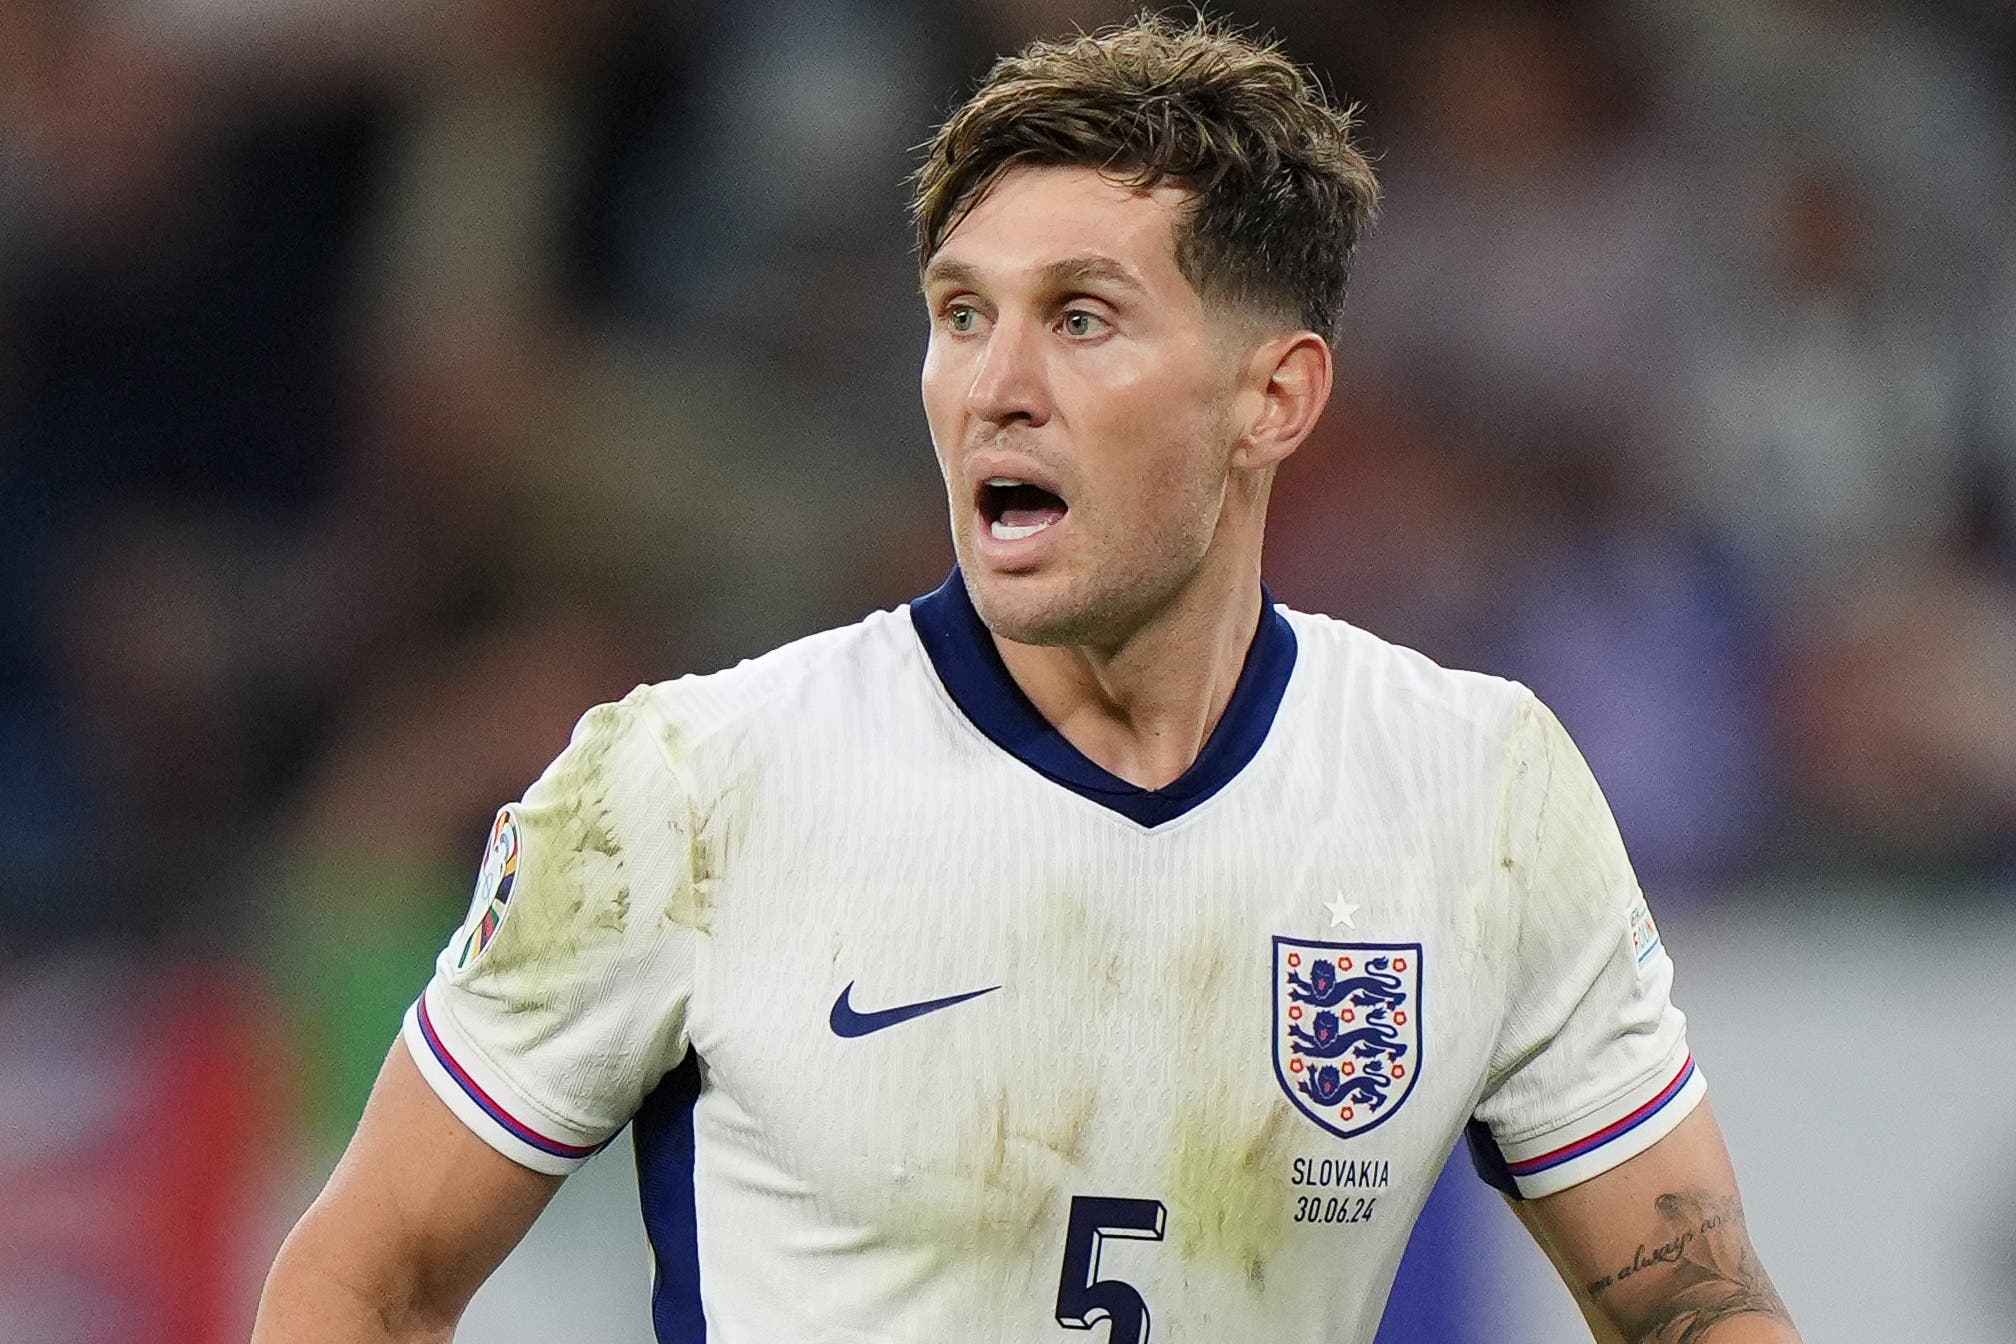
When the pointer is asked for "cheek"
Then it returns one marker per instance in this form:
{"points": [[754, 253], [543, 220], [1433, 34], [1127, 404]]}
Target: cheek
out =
{"points": [[1156, 496], [1161, 406], [942, 401], [1164, 443]]}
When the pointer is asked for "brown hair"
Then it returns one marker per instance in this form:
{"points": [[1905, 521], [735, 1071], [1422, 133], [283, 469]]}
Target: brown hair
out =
{"points": [[1280, 195]]}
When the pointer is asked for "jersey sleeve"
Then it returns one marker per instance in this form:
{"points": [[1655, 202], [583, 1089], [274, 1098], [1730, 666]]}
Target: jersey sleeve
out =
{"points": [[1591, 1066], [562, 1000]]}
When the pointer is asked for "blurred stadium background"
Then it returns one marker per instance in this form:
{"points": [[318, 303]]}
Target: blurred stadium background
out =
{"points": [[381, 384]]}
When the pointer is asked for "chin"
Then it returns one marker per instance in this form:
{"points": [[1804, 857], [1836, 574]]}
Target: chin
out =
{"points": [[1051, 610], [1032, 608]]}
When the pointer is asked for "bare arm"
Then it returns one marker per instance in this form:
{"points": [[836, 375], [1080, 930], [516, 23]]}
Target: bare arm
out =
{"points": [[416, 1216], [1655, 1250]]}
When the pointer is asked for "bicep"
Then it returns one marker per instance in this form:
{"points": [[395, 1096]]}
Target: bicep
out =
{"points": [[420, 1210], [1656, 1250]]}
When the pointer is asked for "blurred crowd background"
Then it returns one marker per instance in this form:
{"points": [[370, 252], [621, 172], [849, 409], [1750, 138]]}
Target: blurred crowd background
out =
{"points": [[381, 384]]}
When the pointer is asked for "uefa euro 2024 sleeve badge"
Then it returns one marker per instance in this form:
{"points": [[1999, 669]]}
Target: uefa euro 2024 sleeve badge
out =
{"points": [[493, 889], [1347, 1029]]}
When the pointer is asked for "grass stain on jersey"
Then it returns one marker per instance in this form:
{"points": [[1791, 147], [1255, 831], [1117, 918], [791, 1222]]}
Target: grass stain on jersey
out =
{"points": [[1025, 1157], [1222, 1168], [1062, 1132], [1196, 975], [615, 916], [691, 904], [674, 740], [1008, 1182], [1077, 946], [712, 836], [1225, 1188], [572, 889], [582, 823]]}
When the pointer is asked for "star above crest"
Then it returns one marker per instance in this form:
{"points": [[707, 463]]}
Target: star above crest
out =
{"points": [[1341, 912]]}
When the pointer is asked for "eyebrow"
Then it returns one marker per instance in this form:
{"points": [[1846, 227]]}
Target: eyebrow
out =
{"points": [[1060, 274]]}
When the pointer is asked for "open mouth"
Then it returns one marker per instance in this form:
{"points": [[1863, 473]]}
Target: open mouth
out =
{"points": [[1016, 509]]}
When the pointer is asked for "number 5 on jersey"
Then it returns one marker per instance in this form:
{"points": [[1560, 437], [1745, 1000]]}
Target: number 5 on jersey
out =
{"points": [[1083, 1298]]}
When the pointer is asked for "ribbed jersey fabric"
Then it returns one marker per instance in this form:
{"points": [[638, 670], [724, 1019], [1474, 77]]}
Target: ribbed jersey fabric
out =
{"points": [[930, 1033]]}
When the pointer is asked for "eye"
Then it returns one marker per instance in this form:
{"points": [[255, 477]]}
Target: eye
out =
{"points": [[1079, 322], [962, 318]]}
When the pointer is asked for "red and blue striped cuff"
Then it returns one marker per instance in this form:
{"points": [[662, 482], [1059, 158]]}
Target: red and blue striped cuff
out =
{"points": [[1625, 1128], [568, 1153], [1568, 1152]]}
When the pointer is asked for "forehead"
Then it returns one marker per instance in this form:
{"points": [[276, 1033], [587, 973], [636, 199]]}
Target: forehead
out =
{"points": [[1034, 218]]}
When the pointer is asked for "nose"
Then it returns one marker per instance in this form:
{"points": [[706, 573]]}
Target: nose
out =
{"points": [[1008, 383]]}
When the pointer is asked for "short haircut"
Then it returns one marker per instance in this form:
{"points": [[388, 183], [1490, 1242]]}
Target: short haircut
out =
{"points": [[1279, 194]]}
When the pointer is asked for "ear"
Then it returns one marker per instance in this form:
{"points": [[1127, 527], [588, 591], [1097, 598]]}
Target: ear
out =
{"points": [[1288, 385]]}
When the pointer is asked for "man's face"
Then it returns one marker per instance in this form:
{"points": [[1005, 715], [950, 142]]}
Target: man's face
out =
{"points": [[1079, 397]]}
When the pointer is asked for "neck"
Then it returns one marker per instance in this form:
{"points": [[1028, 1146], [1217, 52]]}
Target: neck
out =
{"points": [[1144, 708]]}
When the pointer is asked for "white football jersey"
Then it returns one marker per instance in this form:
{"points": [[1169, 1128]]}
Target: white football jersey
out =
{"points": [[932, 1029]]}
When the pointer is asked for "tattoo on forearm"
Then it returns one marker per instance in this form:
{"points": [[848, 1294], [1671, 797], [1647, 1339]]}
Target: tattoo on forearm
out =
{"points": [[1710, 1274], [1712, 1216]]}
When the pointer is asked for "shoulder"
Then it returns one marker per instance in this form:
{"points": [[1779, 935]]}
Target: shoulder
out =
{"points": [[798, 690], [1363, 678]]}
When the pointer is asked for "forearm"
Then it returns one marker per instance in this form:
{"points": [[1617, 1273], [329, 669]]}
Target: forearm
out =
{"points": [[1701, 1283], [1748, 1329], [1657, 1250]]}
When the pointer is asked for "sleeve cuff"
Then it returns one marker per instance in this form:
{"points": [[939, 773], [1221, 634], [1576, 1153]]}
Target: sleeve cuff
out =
{"points": [[1556, 1159], [486, 1103]]}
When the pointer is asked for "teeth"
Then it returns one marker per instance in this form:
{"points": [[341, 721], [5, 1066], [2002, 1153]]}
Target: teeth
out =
{"points": [[1003, 532], [1004, 481]]}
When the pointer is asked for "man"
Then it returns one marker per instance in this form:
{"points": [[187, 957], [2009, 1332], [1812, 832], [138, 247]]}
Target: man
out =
{"points": [[1091, 940]]}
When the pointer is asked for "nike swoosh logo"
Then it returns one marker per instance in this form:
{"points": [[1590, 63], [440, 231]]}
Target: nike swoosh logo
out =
{"points": [[846, 1022]]}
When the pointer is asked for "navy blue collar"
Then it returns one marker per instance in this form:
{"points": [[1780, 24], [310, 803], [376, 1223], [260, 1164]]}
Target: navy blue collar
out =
{"points": [[962, 651]]}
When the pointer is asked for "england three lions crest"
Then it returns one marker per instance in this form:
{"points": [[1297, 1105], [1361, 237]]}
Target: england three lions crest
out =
{"points": [[1347, 1029]]}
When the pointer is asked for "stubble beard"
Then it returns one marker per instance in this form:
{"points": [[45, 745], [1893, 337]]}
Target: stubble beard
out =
{"points": [[1117, 584], [1110, 592]]}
